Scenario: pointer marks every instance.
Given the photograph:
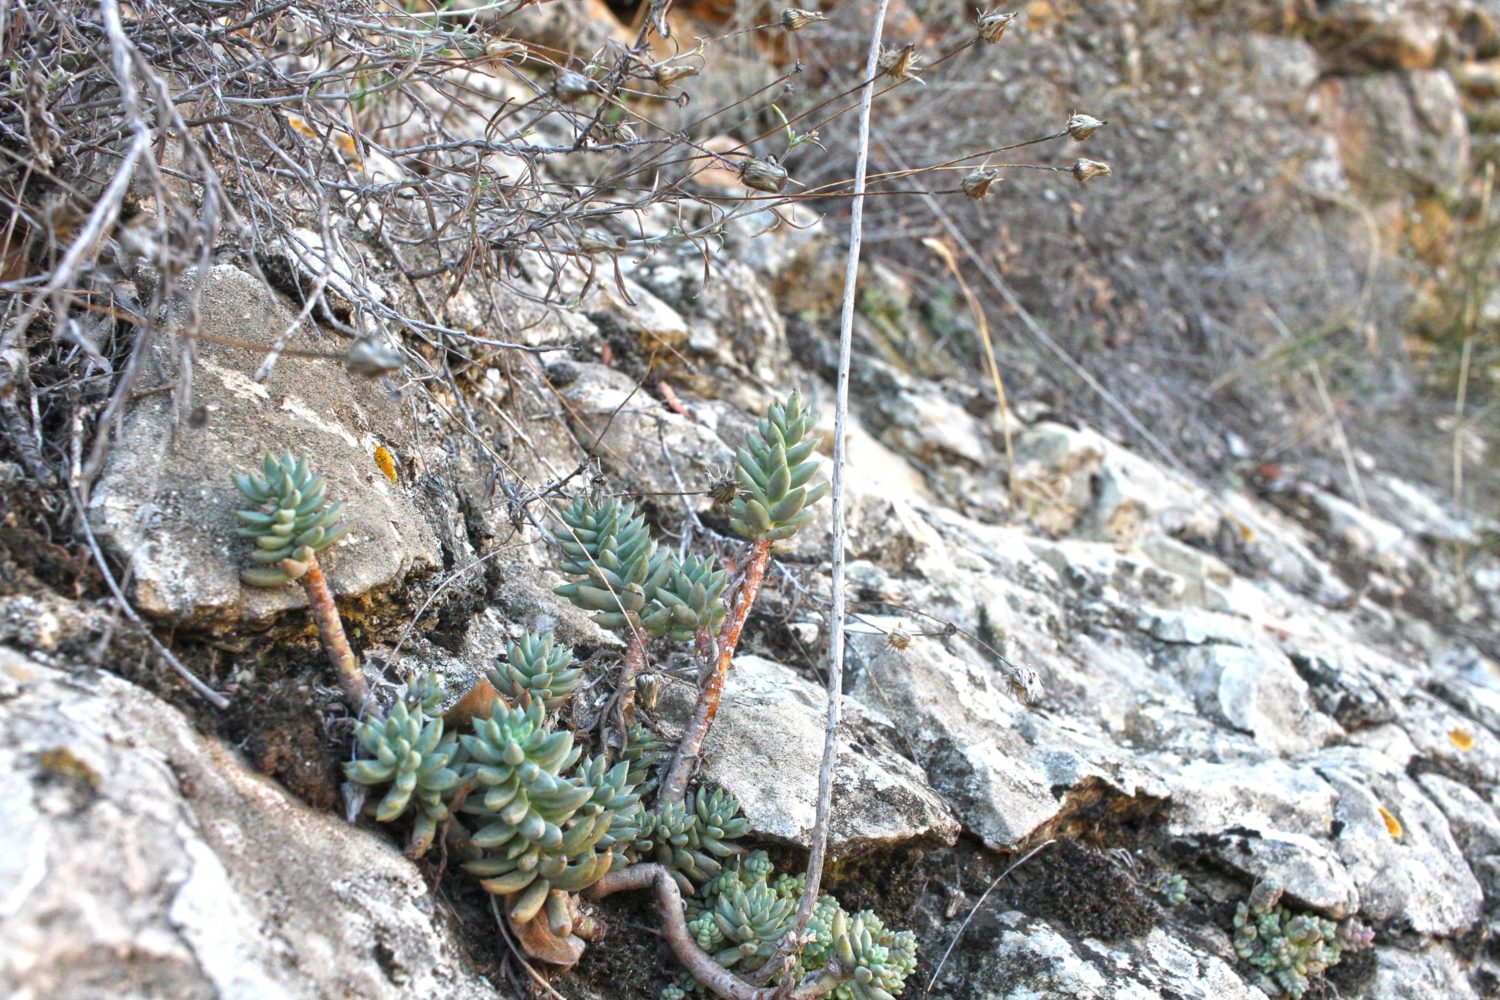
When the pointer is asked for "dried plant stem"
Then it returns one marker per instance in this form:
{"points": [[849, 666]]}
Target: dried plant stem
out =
{"points": [[819, 847], [635, 659], [946, 253], [335, 643], [713, 976], [686, 755]]}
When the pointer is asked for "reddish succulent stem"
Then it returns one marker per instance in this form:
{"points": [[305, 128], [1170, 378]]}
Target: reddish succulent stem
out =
{"points": [[717, 979], [335, 643], [635, 659], [686, 756]]}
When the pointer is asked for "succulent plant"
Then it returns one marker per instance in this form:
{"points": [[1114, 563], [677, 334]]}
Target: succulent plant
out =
{"points": [[690, 837], [538, 825], [745, 923], [292, 519], [879, 960], [741, 914], [291, 523], [642, 750], [408, 750], [684, 596], [1288, 950], [774, 469], [610, 547], [1173, 889], [537, 666], [615, 794]]}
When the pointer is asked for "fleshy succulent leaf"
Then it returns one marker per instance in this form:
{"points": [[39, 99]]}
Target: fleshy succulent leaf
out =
{"points": [[291, 514]]}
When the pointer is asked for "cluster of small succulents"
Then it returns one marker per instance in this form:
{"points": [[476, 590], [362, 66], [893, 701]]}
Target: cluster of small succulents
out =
{"points": [[292, 519], [774, 468], [623, 576], [690, 837], [536, 824], [408, 751], [537, 666], [1173, 889], [539, 824], [741, 914], [1288, 950]]}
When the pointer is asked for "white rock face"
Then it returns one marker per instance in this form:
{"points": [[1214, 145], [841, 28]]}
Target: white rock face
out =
{"points": [[765, 749], [145, 861]]}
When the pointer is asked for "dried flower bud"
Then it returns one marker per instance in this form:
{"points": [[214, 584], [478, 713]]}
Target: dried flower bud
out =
{"points": [[571, 85], [370, 357], [992, 25], [601, 243], [504, 48], [977, 182], [668, 75], [763, 174], [724, 490], [1026, 684], [793, 19], [899, 64], [1086, 170], [1080, 127]]}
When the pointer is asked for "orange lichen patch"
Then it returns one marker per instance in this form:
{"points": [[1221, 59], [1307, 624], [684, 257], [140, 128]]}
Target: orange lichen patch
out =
{"points": [[386, 463], [1461, 738], [1392, 824]]}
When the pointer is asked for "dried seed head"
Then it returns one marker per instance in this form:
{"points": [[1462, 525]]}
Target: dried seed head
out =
{"points": [[992, 25], [648, 691], [1026, 684], [724, 490], [1086, 170], [897, 638], [369, 356], [763, 174], [899, 64], [668, 75], [977, 182], [501, 49], [1080, 127], [793, 19], [571, 85], [601, 243]]}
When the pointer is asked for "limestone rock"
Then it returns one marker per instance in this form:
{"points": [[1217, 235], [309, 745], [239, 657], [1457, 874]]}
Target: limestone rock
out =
{"points": [[1398, 130], [1256, 690], [766, 746], [1031, 959], [146, 861], [1007, 771], [1398, 847]]}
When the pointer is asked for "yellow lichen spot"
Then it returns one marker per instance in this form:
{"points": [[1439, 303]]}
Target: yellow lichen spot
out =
{"points": [[1392, 824], [386, 462], [62, 764], [342, 140], [1462, 738]]}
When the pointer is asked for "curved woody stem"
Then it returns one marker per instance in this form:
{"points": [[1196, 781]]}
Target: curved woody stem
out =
{"points": [[699, 963]]}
